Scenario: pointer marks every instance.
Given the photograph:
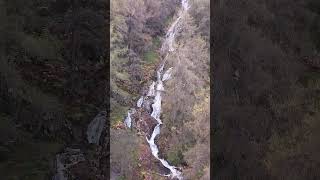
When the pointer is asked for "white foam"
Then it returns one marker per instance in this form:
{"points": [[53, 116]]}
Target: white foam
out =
{"points": [[151, 91], [167, 74], [156, 106], [128, 120], [140, 101]]}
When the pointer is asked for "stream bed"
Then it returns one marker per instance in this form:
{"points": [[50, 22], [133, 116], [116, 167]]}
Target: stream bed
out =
{"points": [[157, 88]]}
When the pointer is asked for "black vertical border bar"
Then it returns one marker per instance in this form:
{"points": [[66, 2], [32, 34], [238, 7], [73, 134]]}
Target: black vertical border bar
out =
{"points": [[107, 97], [3, 12], [105, 154], [212, 120]]}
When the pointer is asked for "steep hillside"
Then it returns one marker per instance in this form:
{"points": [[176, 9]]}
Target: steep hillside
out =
{"points": [[52, 60], [265, 101], [184, 137]]}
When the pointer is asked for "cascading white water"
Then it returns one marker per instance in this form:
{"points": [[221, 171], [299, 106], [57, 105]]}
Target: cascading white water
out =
{"points": [[140, 101], [185, 4], [167, 74], [151, 89], [160, 86], [156, 107], [128, 119], [157, 88], [168, 43], [156, 115]]}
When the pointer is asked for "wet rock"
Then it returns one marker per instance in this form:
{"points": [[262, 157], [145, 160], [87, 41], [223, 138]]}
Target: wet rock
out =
{"points": [[95, 127], [147, 105], [144, 122], [82, 171], [65, 161]]}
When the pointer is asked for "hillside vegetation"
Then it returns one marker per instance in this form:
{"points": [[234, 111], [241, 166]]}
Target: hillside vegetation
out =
{"points": [[266, 89], [137, 31], [52, 80]]}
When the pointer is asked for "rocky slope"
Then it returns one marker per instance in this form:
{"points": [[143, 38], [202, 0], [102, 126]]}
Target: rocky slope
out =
{"points": [[175, 129]]}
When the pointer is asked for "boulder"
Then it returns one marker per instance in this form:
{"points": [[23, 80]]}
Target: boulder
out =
{"points": [[144, 122], [95, 127]]}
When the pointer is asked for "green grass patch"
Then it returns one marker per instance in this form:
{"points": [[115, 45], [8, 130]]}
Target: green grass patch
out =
{"points": [[175, 157], [168, 20], [156, 42], [135, 157], [200, 173], [118, 113], [123, 93], [121, 178], [150, 57]]}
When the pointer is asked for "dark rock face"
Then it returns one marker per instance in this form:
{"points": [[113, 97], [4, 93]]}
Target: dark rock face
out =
{"points": [[82, 172], [313, 61], [95, 127], [147, 105], [65, 161], [144, 122]]}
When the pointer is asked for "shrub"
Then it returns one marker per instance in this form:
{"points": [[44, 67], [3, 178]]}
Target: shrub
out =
{"points": [[175, 157], [150, 57]]}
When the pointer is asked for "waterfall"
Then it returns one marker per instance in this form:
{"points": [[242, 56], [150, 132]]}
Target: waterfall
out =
{"points": [[167, 74], [140, 101], [157, 88]]}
